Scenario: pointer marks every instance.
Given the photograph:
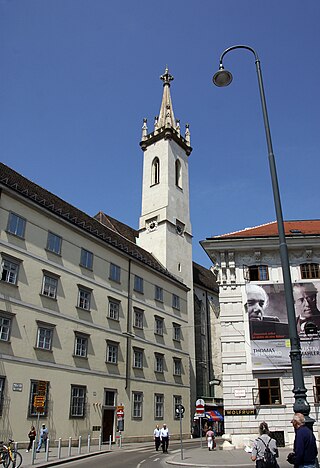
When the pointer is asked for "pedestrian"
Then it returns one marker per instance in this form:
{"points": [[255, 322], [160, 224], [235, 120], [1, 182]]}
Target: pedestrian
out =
{"points": [[210, 438], [164, 437], [43, 438], [156, 437], [32, 436], [304, 446], [263, 445]]}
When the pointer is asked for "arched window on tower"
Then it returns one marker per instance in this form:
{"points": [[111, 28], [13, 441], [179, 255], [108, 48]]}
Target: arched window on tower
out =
{"points": [[178, 174], [155, 171]]}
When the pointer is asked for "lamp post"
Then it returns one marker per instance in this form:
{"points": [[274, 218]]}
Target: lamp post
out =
{"points": [[224, 78]]}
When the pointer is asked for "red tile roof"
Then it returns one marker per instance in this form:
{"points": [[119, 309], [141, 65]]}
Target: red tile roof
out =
{"points": [[292, 228]]}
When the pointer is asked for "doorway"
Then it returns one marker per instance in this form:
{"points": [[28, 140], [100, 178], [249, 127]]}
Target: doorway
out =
{"points": [[107, 425]]}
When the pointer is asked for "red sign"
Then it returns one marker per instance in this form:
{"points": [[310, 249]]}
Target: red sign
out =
{"points": [[200, 409], [120, 412]]}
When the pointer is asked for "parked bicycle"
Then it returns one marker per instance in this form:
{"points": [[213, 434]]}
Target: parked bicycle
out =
{"points": [[9, 456]]}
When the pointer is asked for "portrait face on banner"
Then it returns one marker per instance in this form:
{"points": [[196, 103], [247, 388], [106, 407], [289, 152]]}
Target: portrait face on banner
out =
{"points": [[268, 323]]}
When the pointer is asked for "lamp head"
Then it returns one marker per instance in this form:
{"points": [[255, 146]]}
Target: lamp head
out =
{"points": [[222, 77]]}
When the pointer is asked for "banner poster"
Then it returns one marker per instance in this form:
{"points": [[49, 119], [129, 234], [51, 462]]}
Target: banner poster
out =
{"points": [[268, 323]]}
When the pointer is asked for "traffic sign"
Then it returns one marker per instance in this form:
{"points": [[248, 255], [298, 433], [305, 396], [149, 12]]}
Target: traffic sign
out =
{"points": [[120, 412], [200, 406]]}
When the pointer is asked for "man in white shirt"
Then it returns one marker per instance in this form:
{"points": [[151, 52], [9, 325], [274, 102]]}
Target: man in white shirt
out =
{"points": [[156, 437], [164, 437]]}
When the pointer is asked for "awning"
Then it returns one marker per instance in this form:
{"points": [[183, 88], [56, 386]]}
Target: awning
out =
{"points": [[213, 415]]}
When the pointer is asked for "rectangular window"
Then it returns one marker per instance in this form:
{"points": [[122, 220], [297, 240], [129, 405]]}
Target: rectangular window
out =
{"points": [[137, 399], [258, 273], [115, 273], [77, 401], [177, 400], [269, 391], [177, 367], [5, 327], [309, 270], [176, 332], [158, 406], [84, 299], [316, 390], [109, 398], [81, 346], [158, 326], [175, 301], [138, 358], [44, 338], [114, 308], [112, 352], [38, 388], [138, 318], [2, 381], [159, 362], [49, 286], [158, 293], [86, 259], [9, 271], [16, 225], [54, 243], [138, 284]]}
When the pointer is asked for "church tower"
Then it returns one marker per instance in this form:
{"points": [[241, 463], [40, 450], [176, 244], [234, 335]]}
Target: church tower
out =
{"points": [[165, 227]]}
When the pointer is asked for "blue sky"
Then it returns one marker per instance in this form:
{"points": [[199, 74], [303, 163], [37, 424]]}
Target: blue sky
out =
{"points": [[78, 77]]}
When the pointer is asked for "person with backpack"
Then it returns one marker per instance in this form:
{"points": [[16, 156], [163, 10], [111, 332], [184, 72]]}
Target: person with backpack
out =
{"points": [[264, 451]]}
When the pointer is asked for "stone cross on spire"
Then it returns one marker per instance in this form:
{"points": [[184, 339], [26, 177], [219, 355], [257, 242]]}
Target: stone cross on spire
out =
{"points": [[166, 116]]}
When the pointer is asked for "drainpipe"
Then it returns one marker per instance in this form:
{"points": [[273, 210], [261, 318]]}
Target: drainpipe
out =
{"points": [[128, 332]]}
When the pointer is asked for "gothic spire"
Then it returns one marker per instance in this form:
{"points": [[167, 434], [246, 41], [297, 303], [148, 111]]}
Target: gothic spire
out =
{"points": [[166, 116]]}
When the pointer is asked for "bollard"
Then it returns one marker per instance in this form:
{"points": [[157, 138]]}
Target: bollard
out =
{"points": [[59, 448], [110, 442], [79, 445], [100, 440], [33, 452], [69, 447], [47, 449], [120, 440], [89, 441]]}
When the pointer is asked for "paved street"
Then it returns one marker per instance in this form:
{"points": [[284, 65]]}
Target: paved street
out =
{"points": [[145, 456]]}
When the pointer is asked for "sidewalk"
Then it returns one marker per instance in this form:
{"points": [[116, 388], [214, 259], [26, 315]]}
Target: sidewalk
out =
{"points": [[201, 457], [53, 458]]}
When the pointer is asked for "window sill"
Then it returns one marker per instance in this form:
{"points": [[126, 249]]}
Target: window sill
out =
{"points": [[80, 357], [15, 235], [10, 284], [58, 254], [113, 363], [43, 349], [113, 318], [137, 290], [114, 280], [81, 308], [86, 268], [272, 405], [5, 341], [48, 297]]}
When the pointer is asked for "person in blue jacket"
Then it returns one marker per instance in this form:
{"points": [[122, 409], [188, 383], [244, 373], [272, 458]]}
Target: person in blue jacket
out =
{"points": [[305, 446]]}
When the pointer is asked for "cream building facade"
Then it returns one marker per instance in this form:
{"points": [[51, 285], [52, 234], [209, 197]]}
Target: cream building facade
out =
{"points": [[256, 368], [79, 312]]}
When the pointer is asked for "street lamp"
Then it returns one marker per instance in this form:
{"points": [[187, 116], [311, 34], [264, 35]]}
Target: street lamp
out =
{"points": [[224, 78]]}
